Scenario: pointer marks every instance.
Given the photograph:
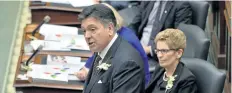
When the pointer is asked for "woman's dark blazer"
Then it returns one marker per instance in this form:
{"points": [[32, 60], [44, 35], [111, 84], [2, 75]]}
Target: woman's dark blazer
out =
{"points": [[185, 82]]}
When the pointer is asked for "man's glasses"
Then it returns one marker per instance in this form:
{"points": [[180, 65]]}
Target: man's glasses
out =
{"points": [[164, 51]]}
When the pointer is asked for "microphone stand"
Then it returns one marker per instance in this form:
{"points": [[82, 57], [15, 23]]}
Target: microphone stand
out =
{"points": [[45, 20], [26, 66]]}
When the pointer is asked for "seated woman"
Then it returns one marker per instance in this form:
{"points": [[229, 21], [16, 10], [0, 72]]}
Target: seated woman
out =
{"points": [[171, 75], [129, 36]]}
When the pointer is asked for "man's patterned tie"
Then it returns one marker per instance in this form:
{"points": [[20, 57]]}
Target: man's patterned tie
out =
{"points": [[95, 64]]}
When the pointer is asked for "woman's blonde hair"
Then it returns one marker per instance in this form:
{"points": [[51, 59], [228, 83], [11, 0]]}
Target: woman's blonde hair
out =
{"points": [[174, 38], [119, 19]]}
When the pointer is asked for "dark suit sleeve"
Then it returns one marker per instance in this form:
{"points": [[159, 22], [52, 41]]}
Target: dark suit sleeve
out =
{"points": [[129, 79], [183, 13], [189, 86]]}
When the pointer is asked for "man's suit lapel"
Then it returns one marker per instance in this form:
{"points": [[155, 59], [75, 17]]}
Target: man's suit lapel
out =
{"points": [[157, 26], [145, 19], [89, 76], [107, 60], [150, 7], [91, 70], [177, 72], [157, 73], [168, 7]]}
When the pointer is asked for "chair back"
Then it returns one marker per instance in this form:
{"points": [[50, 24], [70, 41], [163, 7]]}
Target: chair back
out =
{"points": [[197, 42], [128, 14], [208, 78], [200, 13]]}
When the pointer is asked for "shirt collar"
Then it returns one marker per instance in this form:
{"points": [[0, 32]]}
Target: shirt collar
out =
{"points": [[105, 50]]}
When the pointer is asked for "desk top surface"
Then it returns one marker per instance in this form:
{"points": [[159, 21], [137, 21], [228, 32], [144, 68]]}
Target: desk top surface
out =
{"points": [[29, 83], [35, 5]]}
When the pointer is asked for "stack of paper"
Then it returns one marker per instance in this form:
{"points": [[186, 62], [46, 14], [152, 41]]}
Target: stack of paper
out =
{"points": [[49, 45], [61, 38], [74, 42], [74, 3], [73, 63], [63, 60], [48, 29], [57, 1], [48, 73], [54, 73]]}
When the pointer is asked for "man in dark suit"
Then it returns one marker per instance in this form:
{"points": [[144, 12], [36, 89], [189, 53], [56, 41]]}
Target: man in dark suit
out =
{"points": [[117, 66], [156, 16]]}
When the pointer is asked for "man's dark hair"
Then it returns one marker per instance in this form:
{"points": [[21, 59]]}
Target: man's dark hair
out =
{"points": [[99, 11]]}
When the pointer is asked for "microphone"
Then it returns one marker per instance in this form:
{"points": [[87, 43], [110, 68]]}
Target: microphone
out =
{"points": [[45, 20], [36, 51]]}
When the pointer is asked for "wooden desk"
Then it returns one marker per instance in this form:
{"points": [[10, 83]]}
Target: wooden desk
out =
{"points": [[27, 86], [60, 14]]}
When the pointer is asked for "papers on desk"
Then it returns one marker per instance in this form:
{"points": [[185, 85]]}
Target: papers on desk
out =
{"points": [[48, 45], [73, 63], [54, 46], [60, 38], [57, 1], [62, 43], [74, 3], [74, 42], [49, 72], [49, 29], [63, 60], [36, 43], [54, 73]]}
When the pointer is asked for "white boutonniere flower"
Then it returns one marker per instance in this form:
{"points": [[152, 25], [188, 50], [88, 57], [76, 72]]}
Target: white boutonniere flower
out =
{"points": [[103, 66], [170, 82]]}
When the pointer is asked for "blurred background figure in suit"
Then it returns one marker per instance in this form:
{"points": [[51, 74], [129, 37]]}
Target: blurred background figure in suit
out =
{"points": [[155, 16]]}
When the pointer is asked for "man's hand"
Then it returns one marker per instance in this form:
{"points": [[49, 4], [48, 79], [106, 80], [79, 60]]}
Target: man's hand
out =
{"points": [[82, 74], [147, 49]]}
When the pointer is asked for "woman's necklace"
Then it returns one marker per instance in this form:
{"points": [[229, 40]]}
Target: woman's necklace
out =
{"points": [[164, 77]]}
